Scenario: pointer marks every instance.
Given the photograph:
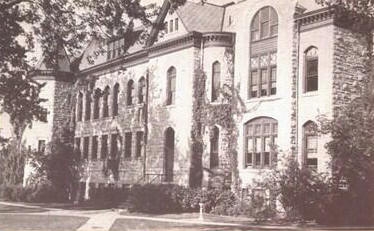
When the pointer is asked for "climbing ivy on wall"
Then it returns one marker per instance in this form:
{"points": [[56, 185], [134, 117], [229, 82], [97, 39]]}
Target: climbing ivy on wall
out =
{"points": [[206, 115]]}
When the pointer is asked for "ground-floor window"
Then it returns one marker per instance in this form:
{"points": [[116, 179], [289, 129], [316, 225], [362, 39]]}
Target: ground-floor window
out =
{"points": [[310, 143], [260, 141]]}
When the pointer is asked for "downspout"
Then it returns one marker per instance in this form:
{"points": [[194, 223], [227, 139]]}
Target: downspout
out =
{"points": [[297, 89], [145, 116]]}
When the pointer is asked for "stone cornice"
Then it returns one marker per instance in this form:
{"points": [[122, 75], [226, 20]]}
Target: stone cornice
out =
{"points": [[316, 16], [219, 39], [192, 39], [52, 75]]}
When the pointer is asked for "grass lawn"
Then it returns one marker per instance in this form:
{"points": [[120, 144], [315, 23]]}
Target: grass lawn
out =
{"points": [[144, 225], [10, 222], [19, 209]]}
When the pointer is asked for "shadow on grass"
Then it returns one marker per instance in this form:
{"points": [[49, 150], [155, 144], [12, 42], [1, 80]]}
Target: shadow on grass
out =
{"points": [[19, 209]]}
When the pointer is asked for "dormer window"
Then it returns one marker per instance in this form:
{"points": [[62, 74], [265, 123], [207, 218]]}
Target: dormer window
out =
{"points": [[171, 25], [115, 48]]}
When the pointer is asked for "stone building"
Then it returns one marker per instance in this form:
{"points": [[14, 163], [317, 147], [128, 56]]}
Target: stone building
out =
{"points": [[244, 80]]}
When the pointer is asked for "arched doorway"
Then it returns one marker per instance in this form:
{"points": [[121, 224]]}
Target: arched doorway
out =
{"points": [[169, 154]]}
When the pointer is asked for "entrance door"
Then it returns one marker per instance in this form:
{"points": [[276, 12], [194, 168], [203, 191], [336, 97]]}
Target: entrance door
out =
{"points": [[169, 155]]}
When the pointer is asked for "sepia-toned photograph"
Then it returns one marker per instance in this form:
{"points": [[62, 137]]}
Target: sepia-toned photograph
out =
{"points": [[186, 115]]}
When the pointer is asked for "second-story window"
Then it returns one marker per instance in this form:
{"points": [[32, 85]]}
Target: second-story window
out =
{"points": [[115, 99], [128, 144], [141, 90], [263, 76], [105, 102], [171, 85], [80, 107], [311, 69], [264, 24], [216, 80], [130, 93], [87, 114], [97, 95]]}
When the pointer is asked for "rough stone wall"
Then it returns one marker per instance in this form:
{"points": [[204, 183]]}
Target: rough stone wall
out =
{"points": [[62, 106], [294, 79], [349, 74]]}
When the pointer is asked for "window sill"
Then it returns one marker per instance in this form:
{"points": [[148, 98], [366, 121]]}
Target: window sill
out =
{"points": [[264, 98], [310, 94]]}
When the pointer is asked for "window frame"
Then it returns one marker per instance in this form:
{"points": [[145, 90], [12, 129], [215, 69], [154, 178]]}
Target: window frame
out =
{"points": [[216, 76], [310, 132], [307, 76], [272, 21], [171, 89], [258, 69], [256, 135], [130, 93], [115, 100], [141, 90]]}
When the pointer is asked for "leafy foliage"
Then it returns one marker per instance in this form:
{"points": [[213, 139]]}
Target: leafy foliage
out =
{"points": [[12, 163]]}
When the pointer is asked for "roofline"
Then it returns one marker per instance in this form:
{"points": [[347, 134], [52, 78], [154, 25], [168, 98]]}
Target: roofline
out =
{"points": [[192, 39]]}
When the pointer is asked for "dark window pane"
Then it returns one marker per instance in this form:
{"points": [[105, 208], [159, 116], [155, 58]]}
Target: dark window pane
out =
{"points": [[128, 141], [104, 146], [94, 147], [267, 158]]}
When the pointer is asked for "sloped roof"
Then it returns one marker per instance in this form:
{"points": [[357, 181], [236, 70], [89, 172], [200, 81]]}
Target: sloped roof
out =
{"points": [[201, 17], [63, 62]]}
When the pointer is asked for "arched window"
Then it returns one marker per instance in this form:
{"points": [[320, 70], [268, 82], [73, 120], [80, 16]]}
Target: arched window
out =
{"points": [[311, 69], [115, 99], [310, 143], [80, 106], [141, 90], [214, 148], [87, 114], [130, 92], [260, 140], [216, 80], [169, 154], [97, 96], [263, 60], [105, 102], [264, 24], [171, 85]]}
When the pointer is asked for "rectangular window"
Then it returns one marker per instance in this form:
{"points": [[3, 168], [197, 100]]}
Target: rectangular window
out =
{"points": [[94, 147], [254, 82], [41, 146], [104, 146], [176, 24], [114, 146], [264, 82], [273, 79], [86, 143], [139, 143], [166, 27], [171, 26], [249, 152], [311, 144], [128, 144], [312, 75], [312, 163]]}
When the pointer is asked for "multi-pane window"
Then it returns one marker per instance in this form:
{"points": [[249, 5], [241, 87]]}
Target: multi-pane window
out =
{"points": [[115, 48], [128, 144], [114, 146], [80, 107], [115, 100], [87, 114], [216, 80], [311, 69], [141, 90], [214, 148], [97, 104], [94, 147], [105, 102], [104, 146], [176, 24], [86, 143], [264, 24], [171, 85], [263, 76], [130, 92], [41, 146], [139, 143], [310, 145], [260, 140]]}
